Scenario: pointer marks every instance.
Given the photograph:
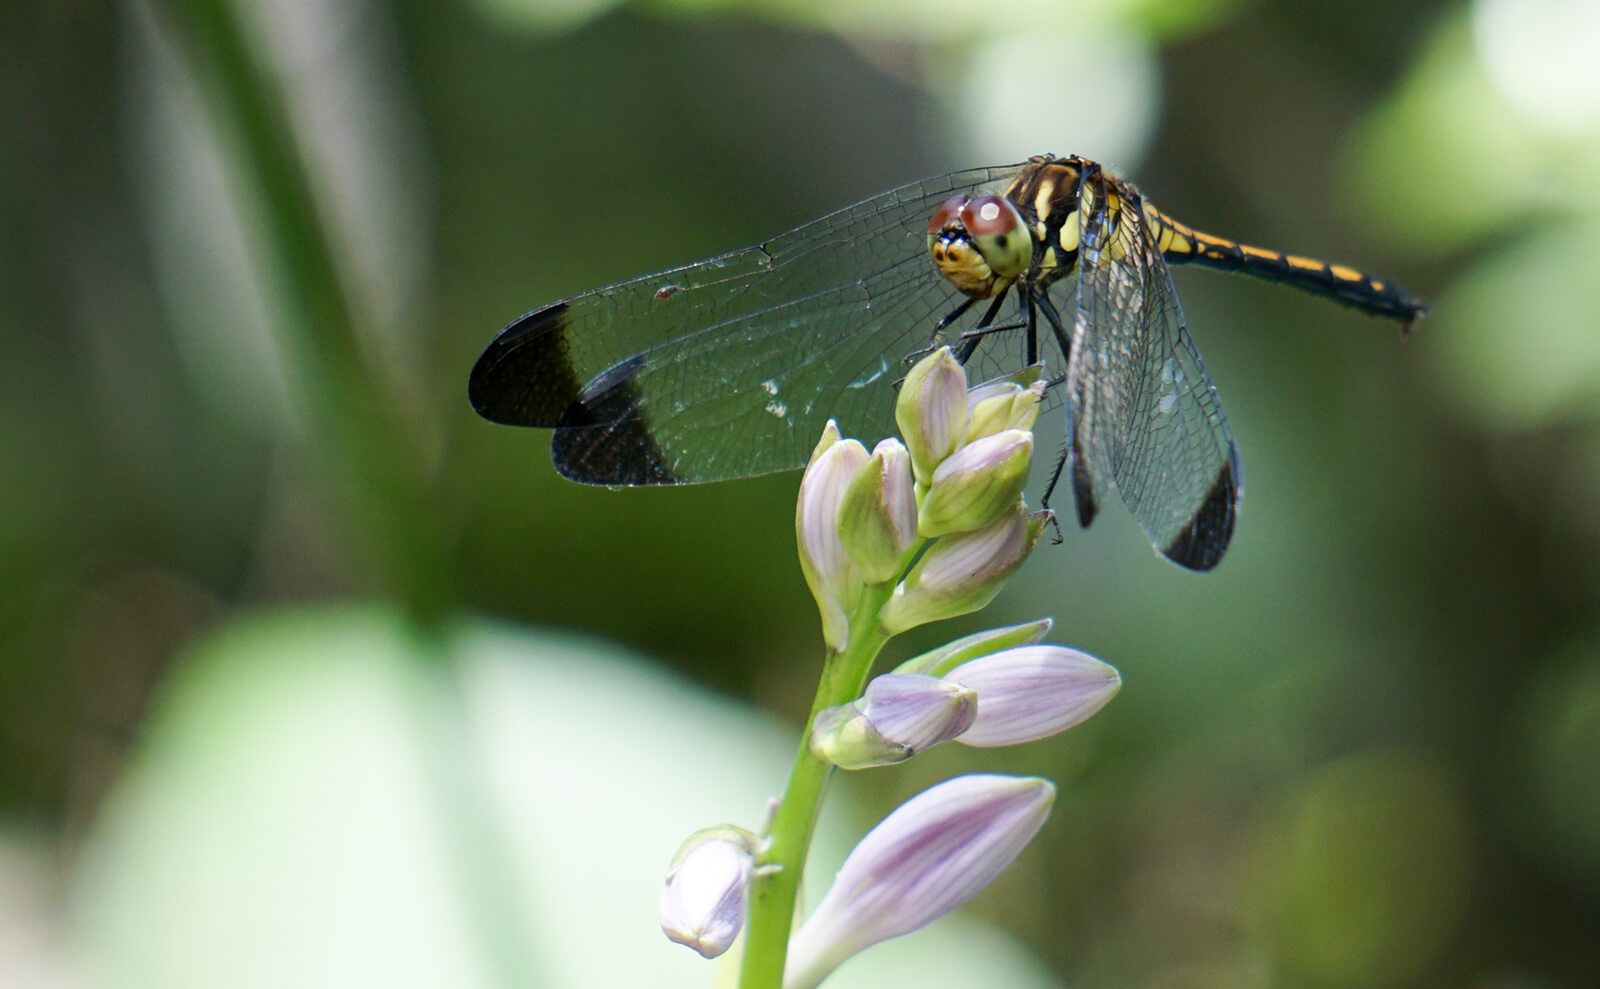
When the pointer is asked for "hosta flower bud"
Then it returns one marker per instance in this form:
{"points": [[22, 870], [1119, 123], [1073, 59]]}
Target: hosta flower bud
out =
{"points": [[878, 517], [830, 436], [833, 577], [1033, 692], [932, 411], [1006, 403], [976, 484], [925, 859], [899, 715], [703, 903], [938, 662], [962, 573], [1006, 384]]}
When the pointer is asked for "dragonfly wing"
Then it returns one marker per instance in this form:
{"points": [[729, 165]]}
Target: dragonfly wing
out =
{"points": [[1145, 414], [682, 412], [652, 380]]}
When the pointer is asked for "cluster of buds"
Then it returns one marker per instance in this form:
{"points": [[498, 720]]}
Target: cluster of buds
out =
{"points": [[941, 514], [911, 533]]}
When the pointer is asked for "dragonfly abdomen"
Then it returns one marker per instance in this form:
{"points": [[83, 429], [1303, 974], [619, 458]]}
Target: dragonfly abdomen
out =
{"points": [[1182, 244]]}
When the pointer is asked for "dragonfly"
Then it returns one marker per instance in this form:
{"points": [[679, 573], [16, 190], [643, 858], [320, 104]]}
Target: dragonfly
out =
{"points": [[730, 367]]}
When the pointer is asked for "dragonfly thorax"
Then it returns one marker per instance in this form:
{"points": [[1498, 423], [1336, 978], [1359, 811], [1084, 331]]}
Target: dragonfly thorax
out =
{"points": [[980, 243]]}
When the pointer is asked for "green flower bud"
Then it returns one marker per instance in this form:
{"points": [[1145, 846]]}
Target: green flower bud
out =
{"points": [[899, 715], [878, 516], [932, 411], [1011, 402], [976, 484], [961, 573]]}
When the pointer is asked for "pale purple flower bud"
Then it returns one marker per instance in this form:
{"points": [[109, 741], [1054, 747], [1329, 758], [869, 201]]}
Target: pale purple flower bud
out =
{"points": [[932, 411], [1033, 692], [899, 715], [976, 484], [703, 904], [938, 662], [962, 573], [830, 436], [834, 579], [878, 517], [928, 857]]}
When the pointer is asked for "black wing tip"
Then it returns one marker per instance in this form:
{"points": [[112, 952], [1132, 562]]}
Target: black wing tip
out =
{"points": [[1205, 539], [611, 454], [602, 437], [525, 377]]}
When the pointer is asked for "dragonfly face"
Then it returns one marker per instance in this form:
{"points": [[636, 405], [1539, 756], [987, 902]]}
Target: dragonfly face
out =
{"points": [[980, 244], [730, 367]]}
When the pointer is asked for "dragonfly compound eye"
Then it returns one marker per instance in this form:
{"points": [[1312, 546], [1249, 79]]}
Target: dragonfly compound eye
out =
{"points": [[999, 233], [980, 244]]}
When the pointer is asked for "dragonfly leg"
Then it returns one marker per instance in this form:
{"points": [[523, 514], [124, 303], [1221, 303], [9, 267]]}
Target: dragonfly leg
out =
{"points": [[1055, 475], [948, 318], [1072, 454], [986, 325], [938, 331], [1057, 327], [1032, 317]]}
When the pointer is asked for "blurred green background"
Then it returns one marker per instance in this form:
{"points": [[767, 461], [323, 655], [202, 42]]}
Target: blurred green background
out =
{"points": [[308, 676]]}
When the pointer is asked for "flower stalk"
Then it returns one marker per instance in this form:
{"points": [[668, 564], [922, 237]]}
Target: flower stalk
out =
{"points": [[911, 533], [775, 887]]}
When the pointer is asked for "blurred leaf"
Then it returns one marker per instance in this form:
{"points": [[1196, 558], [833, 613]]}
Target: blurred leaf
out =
{"points": [[1553, 796], [888, 20], [1522, 351], [1366, 867], [1447, 159]]}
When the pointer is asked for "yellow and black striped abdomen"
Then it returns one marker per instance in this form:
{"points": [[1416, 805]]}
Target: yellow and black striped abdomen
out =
{"points": [[1182, 244]]}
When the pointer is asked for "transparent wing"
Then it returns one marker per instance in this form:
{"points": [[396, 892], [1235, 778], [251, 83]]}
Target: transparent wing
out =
{"points": [[729, 367], [1145, 414]]}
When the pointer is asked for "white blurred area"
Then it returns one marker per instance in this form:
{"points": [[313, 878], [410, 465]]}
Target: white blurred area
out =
{"points": [[33, 943], [1540, 55], [1009, 98]]}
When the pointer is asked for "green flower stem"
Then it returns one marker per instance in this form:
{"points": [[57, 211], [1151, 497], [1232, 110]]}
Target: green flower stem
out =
{"points": [[773, 891]]}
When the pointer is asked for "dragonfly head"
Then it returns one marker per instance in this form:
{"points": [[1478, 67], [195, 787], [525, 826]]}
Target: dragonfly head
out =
{"points": [[980, 243]]}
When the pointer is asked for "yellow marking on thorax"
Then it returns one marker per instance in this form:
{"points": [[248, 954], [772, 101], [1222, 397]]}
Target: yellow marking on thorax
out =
{"points": [[1068, 237], [1041, 199]]}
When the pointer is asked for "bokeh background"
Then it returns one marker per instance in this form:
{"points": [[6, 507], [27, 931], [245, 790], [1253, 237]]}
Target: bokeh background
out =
{"points": [[310, 677]]}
